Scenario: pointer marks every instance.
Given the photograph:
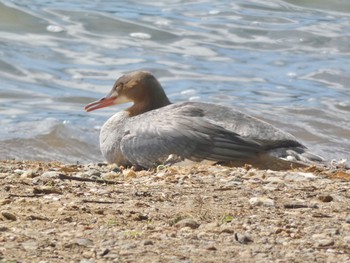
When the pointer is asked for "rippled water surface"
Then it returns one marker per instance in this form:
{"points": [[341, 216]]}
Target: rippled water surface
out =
{"points": [[287, 62]]}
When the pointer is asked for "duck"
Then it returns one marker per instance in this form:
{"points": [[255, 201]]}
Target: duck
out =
{"points": [[153, 131]]}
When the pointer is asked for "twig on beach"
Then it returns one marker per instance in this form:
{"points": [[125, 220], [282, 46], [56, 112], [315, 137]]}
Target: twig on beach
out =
{"points": [[80, 179]]}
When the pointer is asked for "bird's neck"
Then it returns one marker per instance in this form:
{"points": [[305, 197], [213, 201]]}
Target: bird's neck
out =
{"points": [[149, 102]]}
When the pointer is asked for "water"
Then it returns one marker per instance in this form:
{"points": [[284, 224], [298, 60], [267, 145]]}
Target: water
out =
{"points": [[286, 62]]}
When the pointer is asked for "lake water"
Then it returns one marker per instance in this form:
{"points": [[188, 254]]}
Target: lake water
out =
{"points": [[287, 62]]}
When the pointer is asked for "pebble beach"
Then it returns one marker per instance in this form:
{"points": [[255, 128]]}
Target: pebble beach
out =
{"points": [[55, 212]]}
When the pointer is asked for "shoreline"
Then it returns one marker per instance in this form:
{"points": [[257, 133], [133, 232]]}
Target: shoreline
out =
{"points": [[96, 212]]}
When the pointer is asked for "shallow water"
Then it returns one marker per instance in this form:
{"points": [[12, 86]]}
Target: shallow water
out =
{"points": [[286, 62]]}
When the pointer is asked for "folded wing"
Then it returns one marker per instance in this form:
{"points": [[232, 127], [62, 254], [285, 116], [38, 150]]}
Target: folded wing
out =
{"points": [[182, 131]]}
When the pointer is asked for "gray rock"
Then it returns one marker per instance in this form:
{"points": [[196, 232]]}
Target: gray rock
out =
{"points": [[243, 238], [322, 240], [50, 175], [347, 239], [29, 174], [85, 242], [93, 172], [187, 222], [348, 220], [300, 176], [262, 201], [325, 242], [274, 180], [30, 244]]}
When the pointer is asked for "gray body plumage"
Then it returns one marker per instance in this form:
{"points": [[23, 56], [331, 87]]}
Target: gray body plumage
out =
{"points": [[198, 131]]}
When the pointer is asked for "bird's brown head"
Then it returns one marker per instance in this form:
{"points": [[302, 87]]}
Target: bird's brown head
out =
{"points": [[139, 87]]}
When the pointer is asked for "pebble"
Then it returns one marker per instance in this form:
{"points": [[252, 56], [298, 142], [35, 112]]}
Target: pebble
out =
{"points": [[93, 172], [212, 248], [325, 198], [19, 171], [347, 239], [30, 244], [29, 174], [274, 180], [227, 230], [129, 173], [46, 190], [50, 175], [348, 220], [109, 176], [187, 222], [9, 216], [85, 242], [325, 242], [262, 201], [4, 229], [296, 205], [297, 177], [5, 201], [147, 242], [243, 238], [322, 240]]}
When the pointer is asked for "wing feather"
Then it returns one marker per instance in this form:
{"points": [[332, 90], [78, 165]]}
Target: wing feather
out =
{"points": [[151, 137]]}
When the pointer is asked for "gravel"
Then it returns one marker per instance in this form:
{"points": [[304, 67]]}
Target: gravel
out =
{"points": [[53, 212]]}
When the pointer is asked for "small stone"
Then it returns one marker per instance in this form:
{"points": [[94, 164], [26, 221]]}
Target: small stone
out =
{"points": [[9, 216], [298, 177], [46, 190], [325, 242], [295, 205], [5, 201], [347, 239], [262, 201], [19, 171], [93, 172], [29, 174], [348, 220], [322, 240], [227, 230], [50, 175], [147, 242], [274, 180], [211, 248], [243, 238], [99, 211], [30, 244], [85, 242], [104, 252], [129, 173], [4, 229], [139, 217], [325, 198], [187, 222], [108, 176]]}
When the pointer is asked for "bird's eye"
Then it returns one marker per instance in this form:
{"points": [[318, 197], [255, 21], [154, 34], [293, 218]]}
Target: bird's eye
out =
{"points": [[120, 86]]}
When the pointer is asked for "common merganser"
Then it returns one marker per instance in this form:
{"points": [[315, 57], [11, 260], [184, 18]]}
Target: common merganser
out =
{"points": [[155, 131]]}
